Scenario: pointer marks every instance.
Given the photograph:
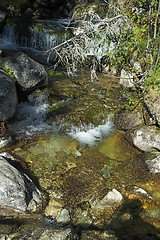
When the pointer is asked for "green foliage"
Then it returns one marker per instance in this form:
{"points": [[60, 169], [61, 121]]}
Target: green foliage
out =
{"points": [[10, 72], [153, 80]]}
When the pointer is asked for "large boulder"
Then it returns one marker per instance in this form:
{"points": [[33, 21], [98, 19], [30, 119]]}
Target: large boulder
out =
{"points": [[8, 96], [17, 191], [29, 74], [146, 138], [12, 188], [126, 119]]}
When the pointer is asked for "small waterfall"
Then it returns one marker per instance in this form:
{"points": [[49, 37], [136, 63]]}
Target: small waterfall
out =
{"points": [[90, 135], [31, 120], [34, 36]]}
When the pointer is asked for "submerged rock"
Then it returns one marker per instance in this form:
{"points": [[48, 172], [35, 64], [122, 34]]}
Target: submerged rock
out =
{"points": [[29, 74], [8, 96], [101, 235], [111, 199], [61, 234]]}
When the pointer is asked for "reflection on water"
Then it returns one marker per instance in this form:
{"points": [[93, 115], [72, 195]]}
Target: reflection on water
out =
{"points": [[117, 147]]}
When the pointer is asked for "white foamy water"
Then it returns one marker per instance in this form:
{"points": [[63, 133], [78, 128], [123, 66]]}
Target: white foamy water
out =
{"points": [[31, 119], [94, 134]]}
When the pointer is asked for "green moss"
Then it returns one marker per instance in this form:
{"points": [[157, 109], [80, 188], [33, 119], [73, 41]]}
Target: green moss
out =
{"points": [[9, 71], [52, 73]]}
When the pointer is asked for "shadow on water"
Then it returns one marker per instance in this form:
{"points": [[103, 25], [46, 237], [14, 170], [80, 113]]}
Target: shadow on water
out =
{"points": [[129, 225], [126, 223]]}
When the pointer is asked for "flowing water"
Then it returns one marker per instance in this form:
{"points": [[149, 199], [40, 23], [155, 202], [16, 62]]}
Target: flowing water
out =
{"points": [[77, 159]]}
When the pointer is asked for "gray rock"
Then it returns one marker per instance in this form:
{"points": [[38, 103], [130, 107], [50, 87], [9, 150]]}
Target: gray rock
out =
{"points": [[4, 141], [146, 138], [154, 165], [64, 216], [136, 65], [8, 96], [29, 74], [17, 191], [111, 199], [126, 119], [12, 188], [127, 79], [3, 16]]}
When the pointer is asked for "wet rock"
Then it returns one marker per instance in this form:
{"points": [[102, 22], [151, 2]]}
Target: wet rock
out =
{"points": [[54, 208], [64, 216], [103, 210], [138, 193], [12, 188], [154, 165], [17, 191], [146, 138], [101, 235], [126, 119], [3, 16], [81, 217], [4, 141], [111, 199], [8, 96], [56, 234], [29, 74], [127, 79]]}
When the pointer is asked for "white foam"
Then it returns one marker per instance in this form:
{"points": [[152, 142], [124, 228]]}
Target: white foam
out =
{"points": [[92, 136], [32, 116], [31, 120]]}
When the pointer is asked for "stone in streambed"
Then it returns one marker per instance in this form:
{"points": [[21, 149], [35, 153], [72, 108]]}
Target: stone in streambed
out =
{"points": [[29, 74], [146, 138], [126, 119], [17, 191]]}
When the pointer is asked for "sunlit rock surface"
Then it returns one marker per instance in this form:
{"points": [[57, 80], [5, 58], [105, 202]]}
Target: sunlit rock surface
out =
{"points": [[17, 191], [154, 165], [12, 188], [29, 73], [146, 138], [127, 79]]}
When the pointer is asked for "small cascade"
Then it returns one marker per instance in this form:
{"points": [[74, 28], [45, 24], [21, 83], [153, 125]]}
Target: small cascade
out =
{"points": [[34, 36], [90, 135], [31, 120]]}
